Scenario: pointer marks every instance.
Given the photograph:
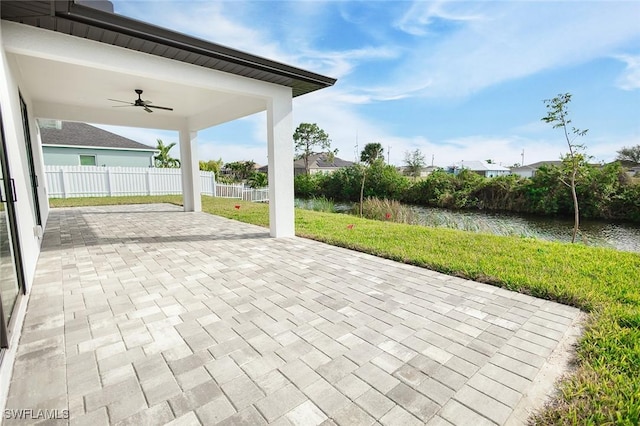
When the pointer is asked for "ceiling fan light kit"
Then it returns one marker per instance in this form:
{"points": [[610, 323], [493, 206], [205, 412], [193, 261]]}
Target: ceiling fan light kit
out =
{"points": [[141, 103]]}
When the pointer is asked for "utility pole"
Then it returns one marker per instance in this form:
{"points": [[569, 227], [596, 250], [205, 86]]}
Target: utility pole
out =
{"points": [[355, 152], [388, 154], [433, 156], [522, 164]]}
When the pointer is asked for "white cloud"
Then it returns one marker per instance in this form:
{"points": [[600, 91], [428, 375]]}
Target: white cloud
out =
{"points": [[142, 135], [512, 40], [449, 50], [230, 152], [421, 16], [630, 78], [339, 64]]}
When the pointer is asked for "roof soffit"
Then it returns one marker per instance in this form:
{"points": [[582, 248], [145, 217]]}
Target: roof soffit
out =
{"points": [[86, 22]]}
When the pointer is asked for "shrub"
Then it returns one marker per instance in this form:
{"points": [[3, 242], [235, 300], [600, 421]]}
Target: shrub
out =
{"points": [[307, 186]]}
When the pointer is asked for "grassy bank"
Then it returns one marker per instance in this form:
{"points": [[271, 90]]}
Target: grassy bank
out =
{"points": [[606, 283]]}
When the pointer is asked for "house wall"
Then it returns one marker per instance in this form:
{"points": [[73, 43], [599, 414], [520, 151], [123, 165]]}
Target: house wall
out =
{"points": [[16, 150], [28, 233], [496, 173], [523, 173], [489, 173], [315, 170], [70, 156]]}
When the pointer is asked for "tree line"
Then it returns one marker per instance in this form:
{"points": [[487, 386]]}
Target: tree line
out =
{"points": [[605, 192], [575, 188]]}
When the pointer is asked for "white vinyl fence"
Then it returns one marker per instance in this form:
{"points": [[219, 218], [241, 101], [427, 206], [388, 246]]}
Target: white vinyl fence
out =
{"points": [[95, 181]]}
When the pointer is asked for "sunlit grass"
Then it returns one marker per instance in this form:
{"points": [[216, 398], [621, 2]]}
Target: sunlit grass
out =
{"points": [[105, 201], [605, 389]]}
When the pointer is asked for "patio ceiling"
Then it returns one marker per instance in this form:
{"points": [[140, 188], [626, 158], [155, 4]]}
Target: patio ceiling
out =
{"points": [[70, 91]]}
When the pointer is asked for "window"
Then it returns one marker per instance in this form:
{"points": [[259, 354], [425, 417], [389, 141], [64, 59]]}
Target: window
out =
{"points": [[87, 160]]}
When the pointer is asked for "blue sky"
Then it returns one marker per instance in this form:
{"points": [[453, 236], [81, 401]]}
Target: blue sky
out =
{"points": [[458, 80]]}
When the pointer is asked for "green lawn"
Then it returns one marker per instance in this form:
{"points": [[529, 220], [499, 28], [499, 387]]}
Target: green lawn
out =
{"points": [[605, 388]]}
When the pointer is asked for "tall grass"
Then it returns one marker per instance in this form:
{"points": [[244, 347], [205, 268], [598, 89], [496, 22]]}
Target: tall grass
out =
{"points": [[394, 211], [318, 204], [483, 223], [388, 210], [440, 218]]}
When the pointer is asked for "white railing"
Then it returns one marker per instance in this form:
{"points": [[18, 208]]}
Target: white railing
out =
{"points": [[94, 181], [256, 195]]}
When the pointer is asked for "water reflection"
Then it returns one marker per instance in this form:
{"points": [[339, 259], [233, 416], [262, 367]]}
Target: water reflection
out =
{"points": [[618, 235]]}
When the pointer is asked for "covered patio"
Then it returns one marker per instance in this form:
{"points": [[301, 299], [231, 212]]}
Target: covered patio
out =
{"points": [[68, 60], [148, 315]]}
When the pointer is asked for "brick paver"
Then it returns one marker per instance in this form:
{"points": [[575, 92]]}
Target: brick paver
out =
{"points": [[149, 315]]}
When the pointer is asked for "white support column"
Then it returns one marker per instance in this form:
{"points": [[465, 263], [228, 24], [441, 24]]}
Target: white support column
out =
{"points": [[280, 151], [190, 171]]}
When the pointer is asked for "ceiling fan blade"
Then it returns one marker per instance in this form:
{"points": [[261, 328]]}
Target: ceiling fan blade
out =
{"points": [[140, 103], [116, 100], [159, 107]]}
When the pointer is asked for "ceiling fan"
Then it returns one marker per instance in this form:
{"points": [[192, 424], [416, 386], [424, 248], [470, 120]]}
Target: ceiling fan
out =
{"points": [[140, 103]]}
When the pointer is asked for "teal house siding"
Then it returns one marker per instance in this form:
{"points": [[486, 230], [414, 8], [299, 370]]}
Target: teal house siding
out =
{"points": [[70, 156], [68, 143]]}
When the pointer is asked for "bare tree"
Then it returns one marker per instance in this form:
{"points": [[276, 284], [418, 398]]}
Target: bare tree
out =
{"points": [[631, 154], [414, 160], [558, 117]]}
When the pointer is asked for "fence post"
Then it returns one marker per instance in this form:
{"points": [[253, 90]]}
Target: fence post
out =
{"points": [[65, 184], [109, 183], [213, 184], [149, 181]]}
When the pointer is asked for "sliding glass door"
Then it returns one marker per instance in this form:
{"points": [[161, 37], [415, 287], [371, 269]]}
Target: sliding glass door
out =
{"points": [[30, 162], [10, 260]]}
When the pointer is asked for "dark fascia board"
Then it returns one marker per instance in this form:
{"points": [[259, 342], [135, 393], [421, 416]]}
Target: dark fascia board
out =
{"points": [[121, 24]]}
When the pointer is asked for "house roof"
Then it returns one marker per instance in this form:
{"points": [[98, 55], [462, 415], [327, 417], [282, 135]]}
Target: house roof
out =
{"points": [[539, 164], [84, 135], [481, 166], [319, 161], [99, 23]]}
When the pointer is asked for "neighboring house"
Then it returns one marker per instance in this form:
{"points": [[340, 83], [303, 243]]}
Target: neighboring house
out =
{"points": [[68, 60], [67, 143], [480, 167], [634, 171], [632, 168], [318, 164], [424, 171], [530, 170]]}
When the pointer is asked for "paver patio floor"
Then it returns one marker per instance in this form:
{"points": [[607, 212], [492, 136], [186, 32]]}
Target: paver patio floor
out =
{"points": [[148, 315]]}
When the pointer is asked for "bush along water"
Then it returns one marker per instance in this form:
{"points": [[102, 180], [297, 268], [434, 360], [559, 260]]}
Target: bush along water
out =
{"points": [[605, 192], [387, 210]]}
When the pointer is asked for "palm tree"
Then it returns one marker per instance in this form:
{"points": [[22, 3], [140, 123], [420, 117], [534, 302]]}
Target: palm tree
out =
{"points": [[372, 153], [163, 159], [258, 180]]}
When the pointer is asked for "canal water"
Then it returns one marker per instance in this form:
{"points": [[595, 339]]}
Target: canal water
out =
{"points": [[619, 235]]}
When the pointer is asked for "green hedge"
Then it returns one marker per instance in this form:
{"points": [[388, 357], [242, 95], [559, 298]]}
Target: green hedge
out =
{"points": [[603, 192]]}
